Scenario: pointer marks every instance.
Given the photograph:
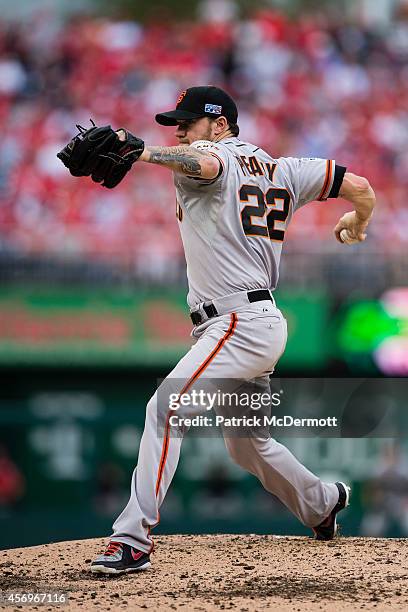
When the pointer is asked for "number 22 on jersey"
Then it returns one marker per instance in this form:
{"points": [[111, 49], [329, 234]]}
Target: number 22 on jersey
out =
{"points": [[262, 204]]}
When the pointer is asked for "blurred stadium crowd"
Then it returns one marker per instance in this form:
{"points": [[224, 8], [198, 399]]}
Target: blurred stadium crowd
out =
{"points": [[318, 86]]}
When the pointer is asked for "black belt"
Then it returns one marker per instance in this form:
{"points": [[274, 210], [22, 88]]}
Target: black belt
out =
{"points": [[210, 310]]}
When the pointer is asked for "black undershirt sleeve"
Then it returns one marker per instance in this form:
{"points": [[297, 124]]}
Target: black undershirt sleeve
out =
{"points": [[337, 181]]}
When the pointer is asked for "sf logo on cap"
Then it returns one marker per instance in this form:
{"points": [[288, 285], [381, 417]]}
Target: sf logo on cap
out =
{"points": [[181, 96]]}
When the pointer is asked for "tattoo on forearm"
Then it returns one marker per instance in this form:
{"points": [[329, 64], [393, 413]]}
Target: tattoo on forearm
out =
{"points": [[185, 159]]}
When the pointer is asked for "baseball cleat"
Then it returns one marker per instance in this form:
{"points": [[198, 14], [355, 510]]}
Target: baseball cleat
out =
{"points": [[328, 529], [120, 558]]}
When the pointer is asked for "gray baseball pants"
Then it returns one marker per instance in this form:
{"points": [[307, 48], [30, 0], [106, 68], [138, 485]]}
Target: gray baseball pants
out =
{"points": [[243, 344]]}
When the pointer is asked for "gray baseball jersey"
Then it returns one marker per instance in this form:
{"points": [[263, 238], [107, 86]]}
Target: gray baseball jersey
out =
{"points": [[233, 226]]}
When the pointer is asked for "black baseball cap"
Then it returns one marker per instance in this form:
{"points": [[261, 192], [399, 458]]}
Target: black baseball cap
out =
{"points": [[197, 102]]}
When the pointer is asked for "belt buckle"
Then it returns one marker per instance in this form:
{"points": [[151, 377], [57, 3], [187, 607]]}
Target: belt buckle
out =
{"points": [[210, 310]]}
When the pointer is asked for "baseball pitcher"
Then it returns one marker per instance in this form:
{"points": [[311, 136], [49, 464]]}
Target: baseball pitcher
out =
{"points": [[233, 203]]}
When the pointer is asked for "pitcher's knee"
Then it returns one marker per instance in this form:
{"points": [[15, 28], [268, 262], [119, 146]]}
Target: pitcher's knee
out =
{"points": [[239, 451], [251, 451]]}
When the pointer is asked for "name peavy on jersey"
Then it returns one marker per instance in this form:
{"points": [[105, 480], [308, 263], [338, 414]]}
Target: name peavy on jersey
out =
{"points": [[233, 226]]}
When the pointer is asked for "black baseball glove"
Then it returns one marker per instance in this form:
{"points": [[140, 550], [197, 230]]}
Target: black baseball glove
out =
{"points": [[100, 154]]}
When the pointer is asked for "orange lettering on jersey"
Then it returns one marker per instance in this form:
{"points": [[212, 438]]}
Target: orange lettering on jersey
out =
{"points": [[246, 164], [255, 167], [270, 168], [242, 165]]}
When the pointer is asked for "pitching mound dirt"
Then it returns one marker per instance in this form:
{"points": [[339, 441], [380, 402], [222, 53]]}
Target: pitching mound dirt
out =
{"points": [[221, 572]]}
